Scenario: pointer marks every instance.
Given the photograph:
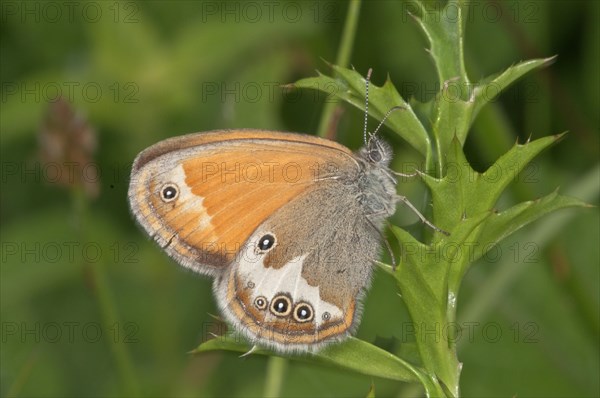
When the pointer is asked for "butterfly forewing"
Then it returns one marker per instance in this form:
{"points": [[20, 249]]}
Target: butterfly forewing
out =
{"points": [[201, 196]]}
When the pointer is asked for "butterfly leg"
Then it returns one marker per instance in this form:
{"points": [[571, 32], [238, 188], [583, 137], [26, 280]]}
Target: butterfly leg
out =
{"points": [[411, 175], [385, 242], [421, 216]]}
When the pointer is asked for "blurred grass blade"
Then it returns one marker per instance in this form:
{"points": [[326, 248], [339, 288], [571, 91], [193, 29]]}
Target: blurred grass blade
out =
{"points": [[342, 59]]}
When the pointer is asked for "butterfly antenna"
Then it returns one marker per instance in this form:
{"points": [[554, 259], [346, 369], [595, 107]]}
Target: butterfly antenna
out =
{"points": [[395, 108], [367, 103]]}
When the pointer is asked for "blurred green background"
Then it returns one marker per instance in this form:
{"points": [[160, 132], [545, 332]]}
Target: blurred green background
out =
{"points": [[91, 307]]}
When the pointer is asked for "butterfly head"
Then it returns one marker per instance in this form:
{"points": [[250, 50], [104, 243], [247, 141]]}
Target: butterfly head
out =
{"points": [[377, 152]]}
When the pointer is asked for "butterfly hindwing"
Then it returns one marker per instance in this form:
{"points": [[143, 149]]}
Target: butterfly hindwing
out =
{"points": [[307, 288]]}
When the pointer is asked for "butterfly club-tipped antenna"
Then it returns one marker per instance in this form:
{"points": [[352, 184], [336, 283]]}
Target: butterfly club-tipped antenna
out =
{"points": [[387, 114], [394, 108], [367, 80]]}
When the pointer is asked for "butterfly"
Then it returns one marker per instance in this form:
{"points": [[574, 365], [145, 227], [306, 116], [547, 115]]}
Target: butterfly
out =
{"points": [[288, 225]]}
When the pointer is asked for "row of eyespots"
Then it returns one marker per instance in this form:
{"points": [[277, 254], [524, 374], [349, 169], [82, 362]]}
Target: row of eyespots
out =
{"points": [[281, 306]]}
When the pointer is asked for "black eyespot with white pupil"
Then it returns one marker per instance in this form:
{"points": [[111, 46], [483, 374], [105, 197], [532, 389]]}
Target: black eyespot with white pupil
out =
{"points": [[303, 312], [169, 192], [281, 306], [260, 302], [266, 242]]}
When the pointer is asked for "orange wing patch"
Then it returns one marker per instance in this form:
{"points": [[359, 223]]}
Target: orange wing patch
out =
{"points": [[229, 183], [242, 186]]}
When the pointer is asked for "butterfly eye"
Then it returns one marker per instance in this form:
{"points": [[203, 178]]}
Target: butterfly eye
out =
{"points": [[260, 302], [169, 192], [266, 242], [375, 155], [281, 306], [303, 312]]}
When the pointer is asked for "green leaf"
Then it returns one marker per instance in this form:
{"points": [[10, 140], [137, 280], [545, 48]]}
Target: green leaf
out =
{"points": [[463, 192], [451, 113], [419, 293], [450, 194], [489, 88], [349, 86], [495, 179], [422, 277], [451, 119], [429, 276], [353, 354], [458, 102], [444, 28], [509, 221]]}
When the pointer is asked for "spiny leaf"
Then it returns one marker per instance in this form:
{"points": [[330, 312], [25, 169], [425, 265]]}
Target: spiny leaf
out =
{"points": [[463, 191], [507, 168], [452, 118], [456, 250], [409, 272], [349, 86], [457, 105], [451, 111], [509, 221], [444, 28], [421, 277], [451, 194], [489, 88]]}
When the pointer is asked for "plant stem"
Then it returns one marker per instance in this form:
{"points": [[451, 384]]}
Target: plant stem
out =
{"points": [[342, 59], [108, 311], [275, 370], [439, 357]]}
